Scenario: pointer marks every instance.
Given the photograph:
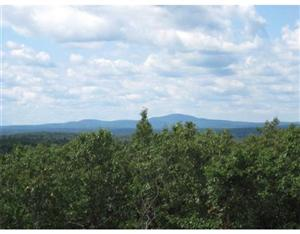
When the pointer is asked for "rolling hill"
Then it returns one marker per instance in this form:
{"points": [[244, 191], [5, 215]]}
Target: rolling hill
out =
{"points": [[127, 126]]}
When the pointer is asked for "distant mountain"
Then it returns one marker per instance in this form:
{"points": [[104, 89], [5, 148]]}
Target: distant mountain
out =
{"points": [[128, 126], [168, 120]]}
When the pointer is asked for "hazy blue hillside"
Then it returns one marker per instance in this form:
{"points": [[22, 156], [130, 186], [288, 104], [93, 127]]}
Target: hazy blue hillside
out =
{"points": [[124, 127], [168, 120]]}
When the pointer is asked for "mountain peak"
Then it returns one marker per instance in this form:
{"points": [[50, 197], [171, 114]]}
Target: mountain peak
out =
{"points": [[176, 116]]}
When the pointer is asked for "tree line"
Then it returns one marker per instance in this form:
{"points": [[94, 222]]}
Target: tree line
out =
{"points": [[176, 178]]}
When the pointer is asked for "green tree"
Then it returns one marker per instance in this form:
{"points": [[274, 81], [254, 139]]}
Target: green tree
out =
{"points": [[144, 129]]}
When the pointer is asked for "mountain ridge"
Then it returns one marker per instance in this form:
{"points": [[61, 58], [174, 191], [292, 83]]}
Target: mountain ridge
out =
{"points": [[158, 123]]}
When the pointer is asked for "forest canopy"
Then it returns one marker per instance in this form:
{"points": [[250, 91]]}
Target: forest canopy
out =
{"points": [[176, 178]]}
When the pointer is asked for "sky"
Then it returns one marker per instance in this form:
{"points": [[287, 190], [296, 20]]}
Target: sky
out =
{"points": [[67, 63]]}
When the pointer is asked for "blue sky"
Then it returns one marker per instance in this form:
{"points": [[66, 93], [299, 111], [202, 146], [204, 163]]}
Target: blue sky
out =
{"points": [[64, 63]]}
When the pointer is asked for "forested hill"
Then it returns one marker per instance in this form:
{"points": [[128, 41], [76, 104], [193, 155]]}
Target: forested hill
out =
{"points": [[176, 178], [124, 127]]}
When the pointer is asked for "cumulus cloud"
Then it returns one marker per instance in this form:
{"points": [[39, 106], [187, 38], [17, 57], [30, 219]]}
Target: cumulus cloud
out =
{"points": [[62, 23], [292, 36], [23, 54], [210, 61], [75, 58], [144, 24]]}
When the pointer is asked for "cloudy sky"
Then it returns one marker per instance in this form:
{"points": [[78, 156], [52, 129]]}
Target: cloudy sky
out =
{"points": [[222, 62]]}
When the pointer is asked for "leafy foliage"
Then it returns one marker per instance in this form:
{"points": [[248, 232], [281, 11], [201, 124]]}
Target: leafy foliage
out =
{"points": [[176, 178]]}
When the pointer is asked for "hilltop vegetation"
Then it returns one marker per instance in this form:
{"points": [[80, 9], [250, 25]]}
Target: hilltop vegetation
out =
{"points": [[9, 142], [176, 178]]}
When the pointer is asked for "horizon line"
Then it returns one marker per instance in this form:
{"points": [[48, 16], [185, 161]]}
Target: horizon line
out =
{"points": [[159, 116]]}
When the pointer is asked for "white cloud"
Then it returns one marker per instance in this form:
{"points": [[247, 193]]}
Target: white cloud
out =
{"points": [[101, 68], [65, 24], [43, 57], [143, 24], [13, 45], [75, 58], [115, 60], [24, 54], [292, 37]]}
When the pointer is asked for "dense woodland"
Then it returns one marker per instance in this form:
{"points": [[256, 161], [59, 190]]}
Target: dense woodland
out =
{"points": [[176, 178]]}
